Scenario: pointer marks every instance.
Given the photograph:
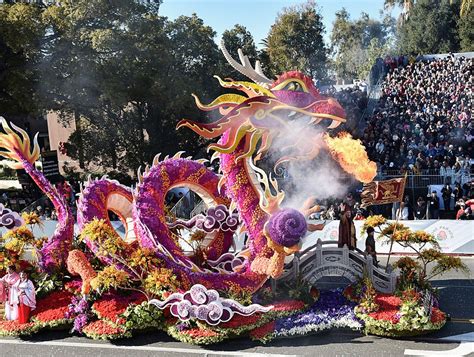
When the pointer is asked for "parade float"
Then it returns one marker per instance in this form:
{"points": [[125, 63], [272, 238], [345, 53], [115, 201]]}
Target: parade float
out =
{"points": [[105, 286]]}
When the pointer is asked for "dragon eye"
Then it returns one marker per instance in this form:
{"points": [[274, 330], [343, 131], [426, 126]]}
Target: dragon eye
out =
{"points": [[294, 86]]}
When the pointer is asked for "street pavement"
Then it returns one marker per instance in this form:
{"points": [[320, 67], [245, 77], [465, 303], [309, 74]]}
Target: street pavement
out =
{"points": [[455, 339]]}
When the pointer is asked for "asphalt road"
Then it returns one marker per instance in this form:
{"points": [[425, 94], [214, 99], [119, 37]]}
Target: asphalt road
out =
{"points": [[455, 339]]}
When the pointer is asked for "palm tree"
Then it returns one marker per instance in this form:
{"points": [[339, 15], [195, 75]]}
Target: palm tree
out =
{"points": [[466, 5]]}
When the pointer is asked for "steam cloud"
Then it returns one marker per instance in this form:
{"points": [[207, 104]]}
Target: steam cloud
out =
{"points": [[321, 176]]}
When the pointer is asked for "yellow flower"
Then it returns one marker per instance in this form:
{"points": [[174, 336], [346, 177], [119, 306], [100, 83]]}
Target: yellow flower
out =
{"points": [[197, 236], [144, 258], [97, 230], [402, 236], [22, 234], [161, 280], [430, 255], [389, 229], [373, 221], [111, 246], [110, 277], [422, 236], [406, 263], [39, 242], [31, 218], [15, 245], [101, 233]]}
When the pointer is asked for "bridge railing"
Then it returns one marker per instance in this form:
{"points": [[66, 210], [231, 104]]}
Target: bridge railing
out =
{"points": [[323, 259]]}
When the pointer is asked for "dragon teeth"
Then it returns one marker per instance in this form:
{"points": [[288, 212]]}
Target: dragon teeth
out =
{"points": [[334, 124]]}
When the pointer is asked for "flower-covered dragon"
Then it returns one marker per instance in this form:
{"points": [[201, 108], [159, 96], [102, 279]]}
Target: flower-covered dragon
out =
{"points": [[250, 122]]}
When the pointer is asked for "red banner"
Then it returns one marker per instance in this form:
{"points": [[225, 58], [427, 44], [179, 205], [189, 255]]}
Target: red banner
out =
{"points": [[382, 192]]}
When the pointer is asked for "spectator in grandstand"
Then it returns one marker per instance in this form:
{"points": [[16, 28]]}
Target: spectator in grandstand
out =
{"points": [[457, 191], [331, 213], [420, 209], [402, 212], [446, 192], [468, 188], [424, 116], [433, 206], [380, 147], [461, 214], [445, 172], [359, 216]]}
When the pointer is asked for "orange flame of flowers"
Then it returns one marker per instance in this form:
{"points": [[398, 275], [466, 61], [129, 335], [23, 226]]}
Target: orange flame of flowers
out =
{"points": [[351, 155], [77, 264]]}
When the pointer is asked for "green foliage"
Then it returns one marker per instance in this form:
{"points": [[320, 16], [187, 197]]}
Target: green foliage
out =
{"points": [[446, 263], [416, 273], [365, 290], [409, 276], [295, 42], [118, 72], [413, 315], [355, 44], [143, 316], [46, 283], [431, 27], [298, 289], [235, 38], [413, 321], [466, 30], [8, 173], [21, 30], [238, 294]]}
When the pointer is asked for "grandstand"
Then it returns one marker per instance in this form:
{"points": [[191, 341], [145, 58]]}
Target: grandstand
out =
{"points": [[421, 122]]}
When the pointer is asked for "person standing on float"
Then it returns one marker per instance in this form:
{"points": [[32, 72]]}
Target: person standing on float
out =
{"points": [[25, 297], [347, 231], [6, 293]]}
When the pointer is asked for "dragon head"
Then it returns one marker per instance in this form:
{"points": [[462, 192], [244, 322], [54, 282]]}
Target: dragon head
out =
{"points": [[266, 110]]}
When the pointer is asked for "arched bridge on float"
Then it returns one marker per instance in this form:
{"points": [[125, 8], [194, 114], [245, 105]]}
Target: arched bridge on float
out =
{"points": [[326, 259]]}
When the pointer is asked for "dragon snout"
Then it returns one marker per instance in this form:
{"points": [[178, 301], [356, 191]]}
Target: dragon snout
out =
{"points": [[336, 108]]}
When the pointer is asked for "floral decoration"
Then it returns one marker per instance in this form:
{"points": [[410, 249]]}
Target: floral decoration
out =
{"points": [[110, 277], [203, 304], [51, 310], [103, 330], [9, 219], [397, 317], [111, 306], [78, 264], [13, 328], [160, 281]]}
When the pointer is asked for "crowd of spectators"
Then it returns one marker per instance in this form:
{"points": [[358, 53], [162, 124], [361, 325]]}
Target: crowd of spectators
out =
{"points": [[31, 199], [423, 123], [354, 100]]}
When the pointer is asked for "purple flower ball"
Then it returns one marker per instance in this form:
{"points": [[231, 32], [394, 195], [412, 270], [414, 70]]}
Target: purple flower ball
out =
{"points": [[287, 227]]}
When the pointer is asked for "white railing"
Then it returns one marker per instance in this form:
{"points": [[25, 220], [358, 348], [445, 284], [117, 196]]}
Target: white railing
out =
{"points": [[325, 259]]}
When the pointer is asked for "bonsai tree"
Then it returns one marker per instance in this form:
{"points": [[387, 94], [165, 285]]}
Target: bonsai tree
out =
{"points": [[428, 260]]}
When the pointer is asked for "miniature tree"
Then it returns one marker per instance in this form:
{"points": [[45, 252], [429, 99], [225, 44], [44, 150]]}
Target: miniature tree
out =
{"points": [[415, 271]]}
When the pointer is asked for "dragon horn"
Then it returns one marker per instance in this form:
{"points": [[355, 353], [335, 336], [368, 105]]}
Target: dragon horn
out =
{"points": [[255, 74]]}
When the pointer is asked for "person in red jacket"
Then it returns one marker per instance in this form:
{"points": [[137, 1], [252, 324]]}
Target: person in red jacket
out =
{"points": [[460, 214]]}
